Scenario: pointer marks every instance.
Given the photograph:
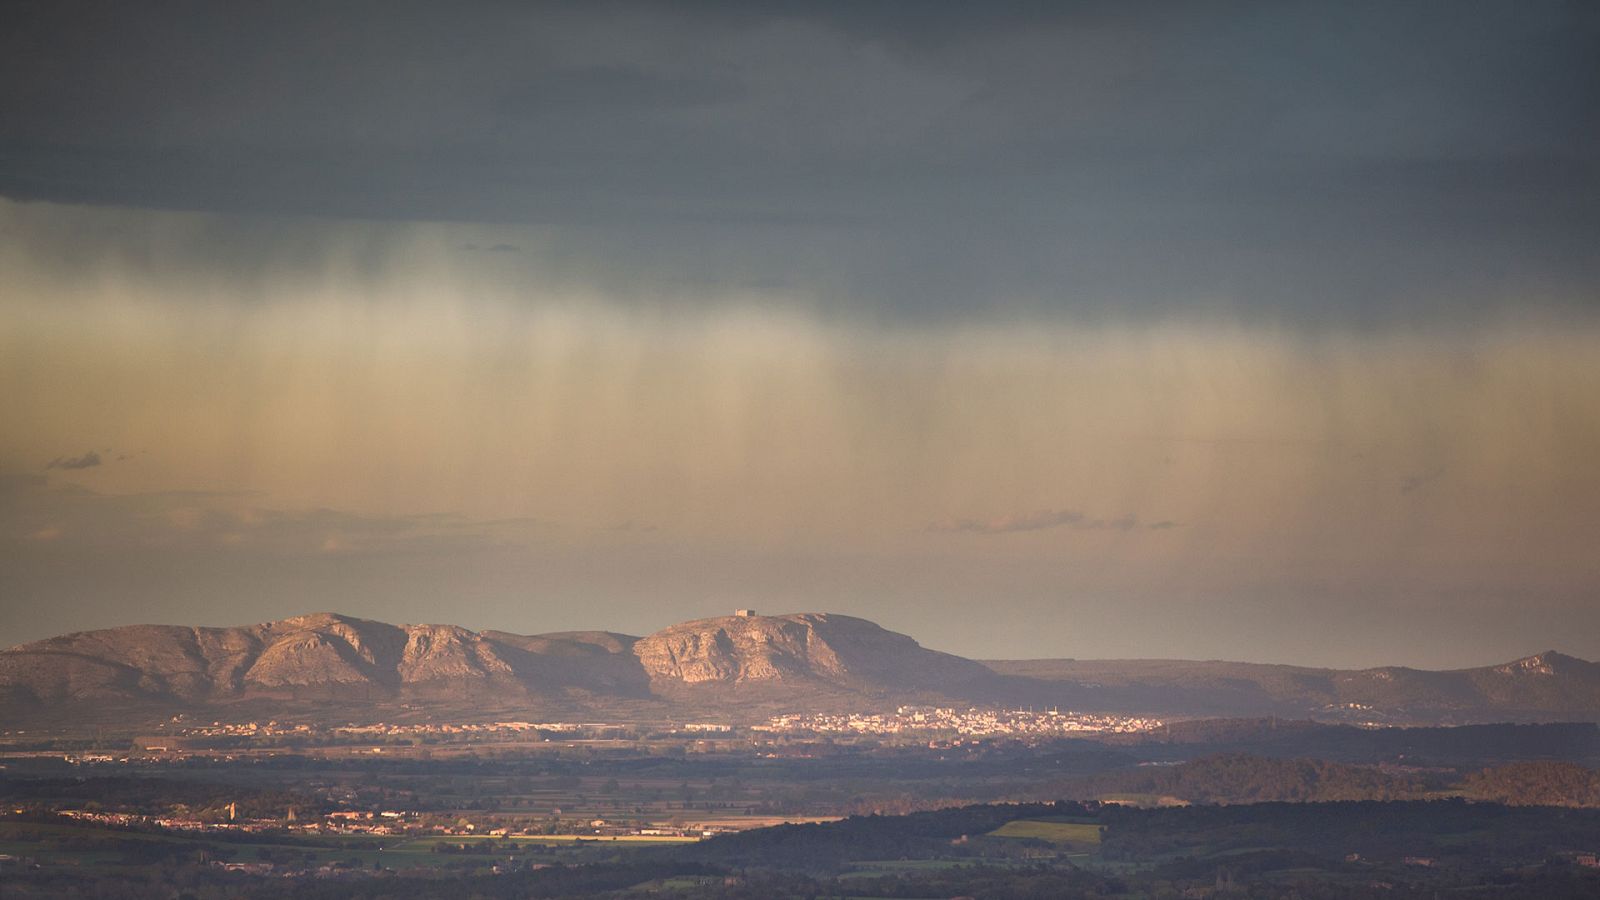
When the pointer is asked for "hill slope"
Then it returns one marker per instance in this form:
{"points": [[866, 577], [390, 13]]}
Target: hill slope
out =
{"points": [[355, 666], [826, 648], [740, 668], [1545, 686]]}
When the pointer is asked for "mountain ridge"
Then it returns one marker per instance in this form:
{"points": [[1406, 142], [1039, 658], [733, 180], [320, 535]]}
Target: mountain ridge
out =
{"points": [[742, 666]]}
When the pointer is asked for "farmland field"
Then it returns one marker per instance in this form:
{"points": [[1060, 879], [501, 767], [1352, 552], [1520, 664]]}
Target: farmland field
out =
{"points": [[1056, 832]]}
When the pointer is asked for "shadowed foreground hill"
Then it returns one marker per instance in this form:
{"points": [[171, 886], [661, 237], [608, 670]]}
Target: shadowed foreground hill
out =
{"points": [[739, 668]]}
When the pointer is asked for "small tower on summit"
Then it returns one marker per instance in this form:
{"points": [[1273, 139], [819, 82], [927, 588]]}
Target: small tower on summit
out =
{"points": [[745, 613]]}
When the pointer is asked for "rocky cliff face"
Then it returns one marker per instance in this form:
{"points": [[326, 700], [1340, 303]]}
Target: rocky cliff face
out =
{"points": [[332, 657], [322, 651], [804, 647], [351, 667]]}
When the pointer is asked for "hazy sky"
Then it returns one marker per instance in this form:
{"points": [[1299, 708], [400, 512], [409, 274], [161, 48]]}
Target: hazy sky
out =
{"points": [[1263, 331]]}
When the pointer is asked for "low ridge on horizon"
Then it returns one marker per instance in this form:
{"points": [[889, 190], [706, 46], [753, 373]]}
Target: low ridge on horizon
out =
{"points": [[743, 664], [318, 616]]}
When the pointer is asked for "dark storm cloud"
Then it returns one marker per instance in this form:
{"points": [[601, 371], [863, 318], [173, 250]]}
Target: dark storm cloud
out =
{"points": [[926, 158]]}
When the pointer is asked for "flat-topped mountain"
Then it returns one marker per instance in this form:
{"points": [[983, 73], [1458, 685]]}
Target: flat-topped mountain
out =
{"points": [[806, 647], [329, 658], [741, 667]]}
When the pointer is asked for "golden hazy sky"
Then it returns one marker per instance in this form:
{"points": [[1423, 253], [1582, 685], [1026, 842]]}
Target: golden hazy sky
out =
{"points": [[1262, 331], [416, 421]]}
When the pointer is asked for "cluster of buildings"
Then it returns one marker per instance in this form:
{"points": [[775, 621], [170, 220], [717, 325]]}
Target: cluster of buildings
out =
{"points": [[170, 823], [376, 730], [387, 822], [246, 729], [968, 723], [383, 729]]}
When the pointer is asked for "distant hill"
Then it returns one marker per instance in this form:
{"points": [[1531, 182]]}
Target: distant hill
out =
{"points": [[780, 654], [736, 667], [1546, 686], [314, 655], [346, 666]]}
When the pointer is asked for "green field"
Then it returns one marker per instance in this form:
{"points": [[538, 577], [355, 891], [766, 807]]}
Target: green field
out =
{"points": [[1053, 831], [1147, 801]]}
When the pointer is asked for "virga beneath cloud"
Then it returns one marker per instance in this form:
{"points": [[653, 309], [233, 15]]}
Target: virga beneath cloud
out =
{"points": [[376, 379]]}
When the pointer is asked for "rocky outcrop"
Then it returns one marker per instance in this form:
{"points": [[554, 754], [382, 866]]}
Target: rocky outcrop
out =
{"points": [[797, 649], [804, 661]]}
